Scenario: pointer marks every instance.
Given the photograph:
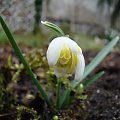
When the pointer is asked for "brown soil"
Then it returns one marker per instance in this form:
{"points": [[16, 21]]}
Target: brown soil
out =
{"points": [[104, 95], [103, 101]]}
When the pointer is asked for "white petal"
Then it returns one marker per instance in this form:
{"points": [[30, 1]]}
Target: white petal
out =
{"points": [[54, 50], [73, 45], [80, 68], [53, 54]]}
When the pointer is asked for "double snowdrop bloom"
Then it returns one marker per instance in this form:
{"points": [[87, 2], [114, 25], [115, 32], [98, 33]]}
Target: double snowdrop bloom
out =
{"points": [[66, 57]]}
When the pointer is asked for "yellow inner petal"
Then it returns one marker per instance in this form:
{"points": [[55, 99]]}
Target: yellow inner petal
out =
{"points": [[67, 59]]}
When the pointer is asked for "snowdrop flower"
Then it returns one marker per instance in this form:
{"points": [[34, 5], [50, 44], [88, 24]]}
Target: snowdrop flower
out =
{"points": [[66, 57]]}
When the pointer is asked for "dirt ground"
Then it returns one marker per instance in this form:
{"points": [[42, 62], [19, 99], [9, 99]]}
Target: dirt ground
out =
{"points": [[103, 101], [104, 95]]}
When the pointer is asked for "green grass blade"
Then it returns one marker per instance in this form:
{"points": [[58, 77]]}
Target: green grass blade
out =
{"points": [[100, 56], [89, 82], [22, 59], [53, 26]]}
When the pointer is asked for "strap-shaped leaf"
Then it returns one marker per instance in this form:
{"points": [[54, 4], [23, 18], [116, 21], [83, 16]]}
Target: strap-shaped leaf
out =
{"points": [[100, 56], [89, 82]]}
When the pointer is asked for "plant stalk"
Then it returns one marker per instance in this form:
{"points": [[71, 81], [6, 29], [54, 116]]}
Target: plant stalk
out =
{"points": [[58, 94]]}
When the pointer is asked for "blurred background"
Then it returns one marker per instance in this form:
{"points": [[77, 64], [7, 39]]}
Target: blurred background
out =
{"points": [[88, 22], [92, 24]]}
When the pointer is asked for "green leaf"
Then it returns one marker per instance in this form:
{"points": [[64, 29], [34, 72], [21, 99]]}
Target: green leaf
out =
{"points": [[54, 27], [22, 59], [100, 56], [89, 82]]}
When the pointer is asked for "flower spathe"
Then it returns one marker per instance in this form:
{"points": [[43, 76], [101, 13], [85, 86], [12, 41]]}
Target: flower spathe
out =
{"points": [[66, 57]]}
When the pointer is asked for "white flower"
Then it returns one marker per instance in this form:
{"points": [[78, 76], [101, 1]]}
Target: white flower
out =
{"points": [[66, 57]]}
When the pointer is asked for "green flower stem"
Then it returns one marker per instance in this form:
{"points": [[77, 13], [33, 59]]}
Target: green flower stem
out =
{"points": [[22, 59], [65, 98], [58, 94]]}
